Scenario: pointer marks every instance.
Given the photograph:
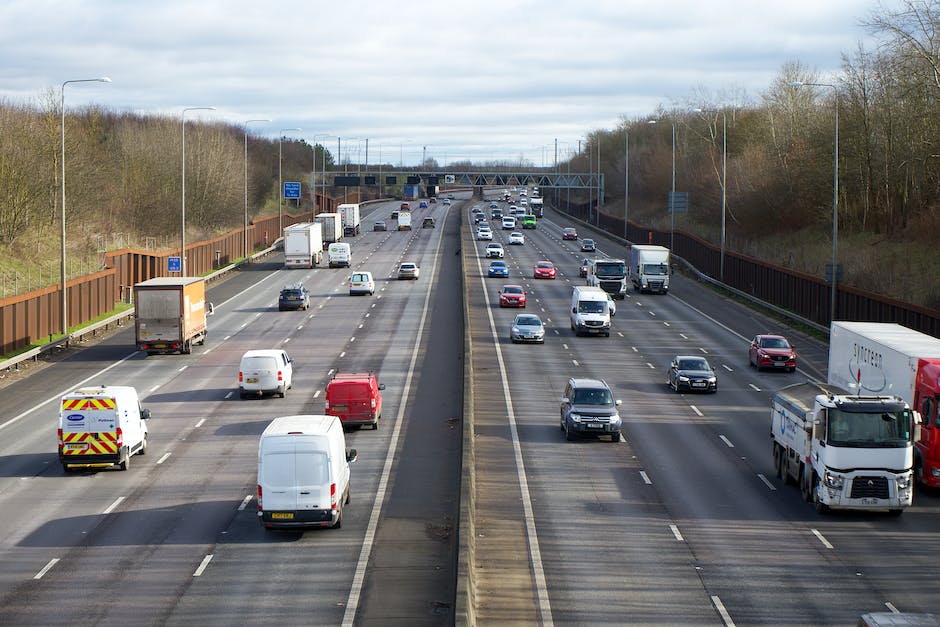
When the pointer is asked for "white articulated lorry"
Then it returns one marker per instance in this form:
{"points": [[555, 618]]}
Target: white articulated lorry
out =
{"points": [[350, 215], [844, 451], [649, 268], [303, 245], [332, 226]]}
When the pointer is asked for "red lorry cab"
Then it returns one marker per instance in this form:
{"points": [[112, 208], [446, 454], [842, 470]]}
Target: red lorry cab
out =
{"points": [[926, 398], [355, 398]]}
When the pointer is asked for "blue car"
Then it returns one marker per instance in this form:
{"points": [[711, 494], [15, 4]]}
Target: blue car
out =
{"points": [[423, 204], [498, 268]]}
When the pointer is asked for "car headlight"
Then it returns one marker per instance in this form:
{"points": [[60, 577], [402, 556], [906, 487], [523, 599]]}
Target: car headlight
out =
{"points": [[713, 379], [575, 418], [834, 481], [615, 419], [683, 378], [515, 330], [904, 481]]}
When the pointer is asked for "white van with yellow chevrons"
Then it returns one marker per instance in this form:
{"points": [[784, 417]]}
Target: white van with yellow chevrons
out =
{"points": [[101, 426]]}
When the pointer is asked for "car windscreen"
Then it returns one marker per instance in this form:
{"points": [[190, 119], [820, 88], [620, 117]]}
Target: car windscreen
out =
{"points": [[693, 364], [774, 342], [592, 396], [656, 269], [528, 321], [512, 290]]}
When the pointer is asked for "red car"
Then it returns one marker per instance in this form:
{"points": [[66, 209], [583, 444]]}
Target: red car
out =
{"points": [[772, 351], [512, 296], [544, 270], [569, 233]]}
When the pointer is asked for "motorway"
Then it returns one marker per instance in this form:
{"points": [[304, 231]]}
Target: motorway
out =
{"points": [[680, 522]]}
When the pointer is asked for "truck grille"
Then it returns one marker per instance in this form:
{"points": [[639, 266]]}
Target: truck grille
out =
{"points": [[611, 286], [870, 487], [593, 323], [656, 285]]}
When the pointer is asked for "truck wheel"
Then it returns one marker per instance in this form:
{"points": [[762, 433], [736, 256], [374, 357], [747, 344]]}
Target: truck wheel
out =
{"points": [[348, 493], [126, 461], [568, 435], [821, 508], [895, 512], [805, 491], [143, 446], [615, 437], [187, 348], [778, 461]]}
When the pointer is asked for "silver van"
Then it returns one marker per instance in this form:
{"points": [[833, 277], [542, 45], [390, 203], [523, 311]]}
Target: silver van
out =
{"points": [[265, 370]]}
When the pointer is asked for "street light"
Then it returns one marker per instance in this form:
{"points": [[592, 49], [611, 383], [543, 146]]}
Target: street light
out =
{"points": [[323, 176], [64, 279], [183, 213], [835, 190], [672, 195], [626, 178], [280, 179], [245, 239]]}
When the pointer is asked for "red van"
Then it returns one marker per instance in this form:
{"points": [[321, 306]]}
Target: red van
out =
{"points": [[355, 398]]}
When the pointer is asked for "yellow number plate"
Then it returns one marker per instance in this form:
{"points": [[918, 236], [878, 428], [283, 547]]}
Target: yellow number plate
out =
{"points": [[282, 516]]}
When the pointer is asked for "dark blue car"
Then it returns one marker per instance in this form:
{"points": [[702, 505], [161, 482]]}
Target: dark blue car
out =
{"points": [[498, 268]]}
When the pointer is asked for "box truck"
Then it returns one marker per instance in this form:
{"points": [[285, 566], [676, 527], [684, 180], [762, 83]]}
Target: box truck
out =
{"points": [[332, 226], [404, 220], [880, 358], [649, 268], [411, 192], [610, 275], [303, 245], [170, 314], [537, 206], [350, 216], [844, 451], [101, 426]]}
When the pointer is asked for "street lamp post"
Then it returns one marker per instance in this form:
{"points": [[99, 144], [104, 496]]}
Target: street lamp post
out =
{"points": [[626, 178], [63, 277], [183, 210], [245, 238], [280, 178], [835, 190], [323, 177], [672, 195]]}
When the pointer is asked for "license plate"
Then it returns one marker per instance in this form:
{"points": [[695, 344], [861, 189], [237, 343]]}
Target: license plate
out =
{"points": [[698, 384], [251, 380], [869, 501], [282, 516], [779, 364], [593, 425], [81, 446]]}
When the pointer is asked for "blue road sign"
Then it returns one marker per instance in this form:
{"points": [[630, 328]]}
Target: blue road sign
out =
{"points": [[291, 189], [173, 264]]}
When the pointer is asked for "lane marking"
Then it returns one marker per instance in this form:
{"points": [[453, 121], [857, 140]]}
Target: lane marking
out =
{"points": [[703, 350], [228, 394], [182, 368], [767, 483], [683, 336], [666, 323], [651, 365], [756, 389], [619, 333], [245, 502], [343, 354], [155, 388], [163, 458], [645, 477], [725, 616], [575, 362], [675, 532], [891, 607], [822, 538], [727, 367], [726, 441], [316, 394], [110, 508], [202, 566], [200, 423], [46, 568], [696, 410]]}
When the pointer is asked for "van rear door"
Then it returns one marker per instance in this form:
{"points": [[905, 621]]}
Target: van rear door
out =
{"points": [[295, 477], [312, 476], [260, 373]]}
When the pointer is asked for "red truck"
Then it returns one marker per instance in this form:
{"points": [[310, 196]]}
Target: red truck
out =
{"points": [[871, 358]]}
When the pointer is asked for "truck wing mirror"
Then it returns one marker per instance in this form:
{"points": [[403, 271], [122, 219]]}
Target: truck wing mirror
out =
{"points": [[916, 436], [574, 310], [210, 309], [565, 399], [618, 402], [381, 386], [352, 455], [145, 414]]}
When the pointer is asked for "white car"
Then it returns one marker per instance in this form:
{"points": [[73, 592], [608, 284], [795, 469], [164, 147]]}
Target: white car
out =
{"points": [[361, 283], [408, 270], [484, 234], [516, 238], [509, 222], [494, 249]]}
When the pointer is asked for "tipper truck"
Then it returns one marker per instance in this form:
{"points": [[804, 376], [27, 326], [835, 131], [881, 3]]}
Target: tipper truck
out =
{"points": [[170, 314], [332, 226], [649, 268], [303, 245], [351, 221], [844, 451], [879, 358]]}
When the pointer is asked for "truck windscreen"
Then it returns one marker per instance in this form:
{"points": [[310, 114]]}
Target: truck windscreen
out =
{"points": [[869, 429], [610, 270], [655, 269]]}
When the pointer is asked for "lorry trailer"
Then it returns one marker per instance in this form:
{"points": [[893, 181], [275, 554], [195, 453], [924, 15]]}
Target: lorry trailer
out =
{"points": [[170, 314]]}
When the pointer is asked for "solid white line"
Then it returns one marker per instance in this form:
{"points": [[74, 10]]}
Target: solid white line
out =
{"points": [[113, 505], [46, 568], [163, 458], [726, 441], [696, 410], [316, 394], [756, 389], [202, 566], [766, 482], [352, 601], [646, 478], [200, 423], [245, 502], [822, 539], [675, 532], [725, 616]]}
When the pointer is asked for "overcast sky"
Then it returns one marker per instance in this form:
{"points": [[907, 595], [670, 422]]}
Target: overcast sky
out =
{"points": [[485, 79]]}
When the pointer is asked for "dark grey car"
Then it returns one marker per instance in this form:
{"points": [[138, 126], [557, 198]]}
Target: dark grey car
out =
{"points": [[693, 373], [588, 409]]}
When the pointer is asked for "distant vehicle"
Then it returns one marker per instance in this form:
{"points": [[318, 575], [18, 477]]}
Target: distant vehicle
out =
{"points": [[331, 227], [450, 196], [170, 314], [432, 200], [528, 221], [544, 270], [476, 209], [569, 233], [590, 313], [479, 218], [588, 408], [339, 255], [484, 234], [423, 204], [498, 268], [772, 351], [101, 426], [265, 370], [509, 223], [379, 226], [447, 201], [355, 398], [303, 245], [394, 215], [588, 246], [427, 223], [608, 274], [527, 328], [537, 207], [512, 296], [497, 214], [585, 264], [350, 215], [361, 283], [405, 206], [649, 268], [408, 270], [303, 472], [692, 373], [516, 238], [293, 297], [494, 249], [404, 220], [493, 205]]}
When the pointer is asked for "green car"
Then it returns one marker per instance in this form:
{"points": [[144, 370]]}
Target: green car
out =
{"points": [[528, 221]]}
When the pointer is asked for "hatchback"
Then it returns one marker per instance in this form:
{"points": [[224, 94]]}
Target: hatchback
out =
{"points": [[569, 233], [588, 245], [379, 226], [516, 238], [293, 297], [693, 373], [408, 270], [544, 270], [498, 268], [527, 328], [512, 296]]}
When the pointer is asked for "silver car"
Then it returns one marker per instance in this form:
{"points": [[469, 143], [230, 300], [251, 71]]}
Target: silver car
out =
{"points": [[408, 270], [527, 328]]}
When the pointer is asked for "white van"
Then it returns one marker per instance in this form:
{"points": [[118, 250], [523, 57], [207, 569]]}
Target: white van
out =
{"points": [[339, 255], [265, 370], [590, 311], [303, 472], [101, 426], [509, 223]]}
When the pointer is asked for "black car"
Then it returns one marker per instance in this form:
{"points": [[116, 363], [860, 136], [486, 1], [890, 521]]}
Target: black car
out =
{"points": [[427, 223], [293, 297], [394, 215], [588, 409], [692, 373]]}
